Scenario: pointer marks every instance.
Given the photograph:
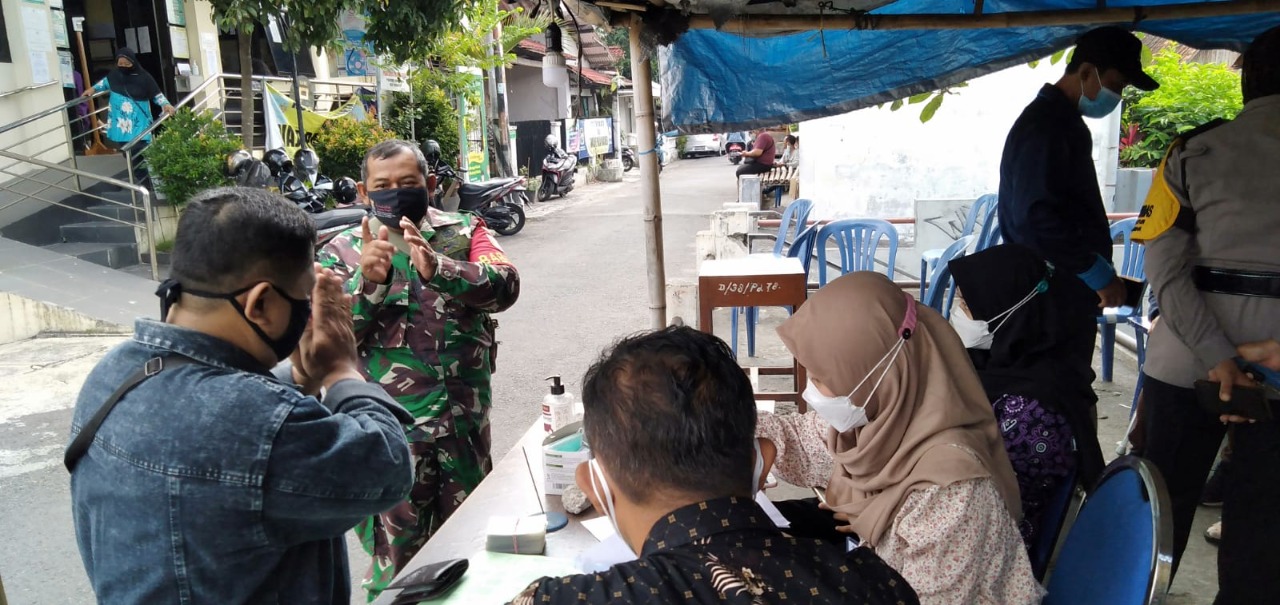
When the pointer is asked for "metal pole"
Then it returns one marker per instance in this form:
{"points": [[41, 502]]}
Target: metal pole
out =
{"points": [[151, 236], [649, 190], [377, 95], [413, 124], [297, 104], [504, 123]]}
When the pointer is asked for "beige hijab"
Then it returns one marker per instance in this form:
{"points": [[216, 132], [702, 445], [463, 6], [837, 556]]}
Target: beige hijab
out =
{"points": [[930, 399]]}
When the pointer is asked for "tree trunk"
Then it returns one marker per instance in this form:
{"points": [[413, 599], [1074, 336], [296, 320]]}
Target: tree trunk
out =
{"points": [[246, 87]]}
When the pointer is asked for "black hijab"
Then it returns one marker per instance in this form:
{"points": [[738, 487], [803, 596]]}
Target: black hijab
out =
{"points": [[134, 82], [1025, 356]]}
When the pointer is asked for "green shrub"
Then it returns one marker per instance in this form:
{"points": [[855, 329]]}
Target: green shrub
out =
{"points": [[1190, 94], [190, 155], [342, 144], [432, 115]]}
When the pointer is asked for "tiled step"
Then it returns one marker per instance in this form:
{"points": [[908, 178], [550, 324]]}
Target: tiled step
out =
{"points": [[103, 232], [120, 213], [107, 255]]}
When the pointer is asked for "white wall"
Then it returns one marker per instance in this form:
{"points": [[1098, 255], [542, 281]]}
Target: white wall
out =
{"points": [[16, 76], [875, 162], [529, 100]]}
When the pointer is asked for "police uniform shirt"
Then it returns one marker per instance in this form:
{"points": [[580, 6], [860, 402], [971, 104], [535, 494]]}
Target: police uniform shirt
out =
{"points": [[1215, 203]]}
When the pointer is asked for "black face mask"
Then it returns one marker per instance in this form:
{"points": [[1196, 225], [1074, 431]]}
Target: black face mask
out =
{"points": [[283, 347], [390, 205]]}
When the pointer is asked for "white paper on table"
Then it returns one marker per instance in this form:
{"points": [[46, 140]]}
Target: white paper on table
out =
{"points": [[609, 552], [766, 405], [600, 527], [775, 515]]}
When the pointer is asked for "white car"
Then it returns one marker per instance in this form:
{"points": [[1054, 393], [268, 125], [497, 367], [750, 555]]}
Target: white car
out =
{"points": [[703, 144]]}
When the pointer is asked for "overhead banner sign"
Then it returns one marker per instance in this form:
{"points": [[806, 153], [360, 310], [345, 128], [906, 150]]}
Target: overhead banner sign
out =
{"points": [[282, 119], [355, 52]]}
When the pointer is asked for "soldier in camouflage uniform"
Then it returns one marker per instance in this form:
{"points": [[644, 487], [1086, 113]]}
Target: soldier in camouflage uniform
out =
{"points": [[425, 334]]}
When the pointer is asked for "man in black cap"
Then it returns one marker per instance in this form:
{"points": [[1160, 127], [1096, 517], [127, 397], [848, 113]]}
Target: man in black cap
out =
{"points": [[1050, 202]]}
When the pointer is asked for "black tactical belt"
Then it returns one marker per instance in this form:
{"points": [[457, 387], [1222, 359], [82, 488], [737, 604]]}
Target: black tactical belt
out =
{"points": [[1236, 282]]}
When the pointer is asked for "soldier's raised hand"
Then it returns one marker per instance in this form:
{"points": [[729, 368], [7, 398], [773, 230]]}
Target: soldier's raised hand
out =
{"points": [[420, 252], [376, 254]]}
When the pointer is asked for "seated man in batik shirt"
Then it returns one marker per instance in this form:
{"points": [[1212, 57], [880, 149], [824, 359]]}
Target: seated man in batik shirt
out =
{"points": [[671, 422]]}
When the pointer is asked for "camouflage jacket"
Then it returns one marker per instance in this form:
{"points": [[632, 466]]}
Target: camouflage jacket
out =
{"points": [[428, 343]]}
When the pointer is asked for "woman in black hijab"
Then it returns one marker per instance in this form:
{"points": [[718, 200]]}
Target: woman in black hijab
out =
{"points": [[133, 90], [1042, 403]]}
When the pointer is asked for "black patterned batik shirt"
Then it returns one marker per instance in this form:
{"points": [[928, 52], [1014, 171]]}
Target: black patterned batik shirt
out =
{"points": [[727, 550]]}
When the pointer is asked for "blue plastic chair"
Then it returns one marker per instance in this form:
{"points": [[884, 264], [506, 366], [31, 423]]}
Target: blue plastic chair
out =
{"points": [[940, 282], [1130, 265], [800, 248], [796, 214], [990, 234], [1119, 550], [982, 209], [858, 240]]}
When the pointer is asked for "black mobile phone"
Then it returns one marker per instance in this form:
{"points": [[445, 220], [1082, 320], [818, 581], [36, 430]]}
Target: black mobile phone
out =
{"points": [[1133, 290], [1250, 402]]}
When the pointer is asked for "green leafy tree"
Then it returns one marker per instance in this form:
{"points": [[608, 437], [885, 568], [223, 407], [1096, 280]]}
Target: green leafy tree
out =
{"points": [[190, 155], [405, 30], [343, 143], [429, 114], [1190, 94], [621, 37]]}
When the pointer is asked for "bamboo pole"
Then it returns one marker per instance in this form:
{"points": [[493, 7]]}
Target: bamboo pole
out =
{"points": [[1135, 14], [650, 192]]}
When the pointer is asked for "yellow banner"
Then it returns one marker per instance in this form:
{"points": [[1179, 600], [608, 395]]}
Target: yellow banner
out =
{"points": [[282, 115]]}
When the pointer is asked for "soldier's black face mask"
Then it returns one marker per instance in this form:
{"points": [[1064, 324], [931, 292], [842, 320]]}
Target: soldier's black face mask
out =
{"points": [[299, 313], [390, 205]]}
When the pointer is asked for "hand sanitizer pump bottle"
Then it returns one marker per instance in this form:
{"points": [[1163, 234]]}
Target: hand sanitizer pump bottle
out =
{"points": [[557, 407]]}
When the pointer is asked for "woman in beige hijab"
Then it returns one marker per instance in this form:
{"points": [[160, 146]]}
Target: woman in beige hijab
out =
{"points": [[918, 470]]}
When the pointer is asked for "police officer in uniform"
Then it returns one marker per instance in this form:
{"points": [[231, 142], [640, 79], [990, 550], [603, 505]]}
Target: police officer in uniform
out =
{"points": [[1212, 229]]}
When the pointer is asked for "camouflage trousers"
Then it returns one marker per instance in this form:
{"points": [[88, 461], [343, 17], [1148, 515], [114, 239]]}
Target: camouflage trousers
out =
{"points": [[447, 468]]}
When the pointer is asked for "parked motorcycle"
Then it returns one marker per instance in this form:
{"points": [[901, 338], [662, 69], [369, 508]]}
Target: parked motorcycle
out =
{"points": [[629, 159], [249, 172], [735, 150], [500, 202], [558, 170]]}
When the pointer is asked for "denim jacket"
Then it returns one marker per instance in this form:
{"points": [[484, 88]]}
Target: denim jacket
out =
{"points": [[214, 482]]}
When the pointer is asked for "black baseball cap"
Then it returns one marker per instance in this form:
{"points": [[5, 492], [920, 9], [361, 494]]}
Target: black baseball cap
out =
{"points": [[1114, 48]]}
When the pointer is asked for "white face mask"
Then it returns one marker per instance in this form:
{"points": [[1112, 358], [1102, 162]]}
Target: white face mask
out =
{"points": [[978, 334], [604, 495], [973, 332], [840, 411]]}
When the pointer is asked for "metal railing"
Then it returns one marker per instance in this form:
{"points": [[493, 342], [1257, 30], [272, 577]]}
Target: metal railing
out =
{"points": [[40, 173], [53, 184]]}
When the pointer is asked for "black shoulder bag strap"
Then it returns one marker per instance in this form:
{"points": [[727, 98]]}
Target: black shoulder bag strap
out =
{"points": [[80, 445]]}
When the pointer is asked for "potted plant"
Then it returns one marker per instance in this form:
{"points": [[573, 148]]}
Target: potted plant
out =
{"points": [[343, 143], [187, 157]]}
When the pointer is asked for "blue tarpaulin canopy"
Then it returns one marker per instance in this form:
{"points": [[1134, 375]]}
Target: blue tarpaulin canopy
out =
{"points": [[718, 81]]}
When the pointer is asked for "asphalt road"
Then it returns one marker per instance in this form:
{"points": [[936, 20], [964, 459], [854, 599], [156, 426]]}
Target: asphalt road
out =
{"points": [[582, 267]]}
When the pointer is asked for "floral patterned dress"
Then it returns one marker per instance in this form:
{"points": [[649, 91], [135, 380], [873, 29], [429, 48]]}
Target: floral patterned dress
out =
{"points": [[954, 544]]}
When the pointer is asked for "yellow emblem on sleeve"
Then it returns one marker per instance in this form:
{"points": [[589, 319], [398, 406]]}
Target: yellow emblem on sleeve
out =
{"points": [[1160, 209]]}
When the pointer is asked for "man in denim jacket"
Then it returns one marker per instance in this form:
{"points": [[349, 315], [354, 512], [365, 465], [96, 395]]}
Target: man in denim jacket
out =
{"points": [[213, 480]]}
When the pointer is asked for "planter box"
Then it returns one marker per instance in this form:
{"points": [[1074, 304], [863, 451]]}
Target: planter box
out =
{"points": [[164, 225], [1132, 185]]}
